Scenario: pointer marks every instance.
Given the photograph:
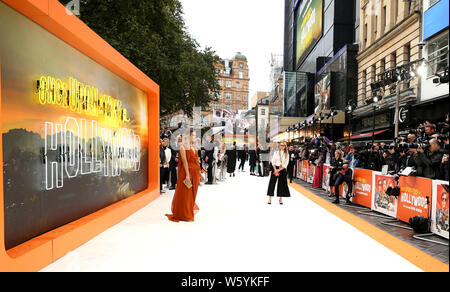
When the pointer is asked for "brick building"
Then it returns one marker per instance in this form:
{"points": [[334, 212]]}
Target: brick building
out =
{"points": [[234, 80]]}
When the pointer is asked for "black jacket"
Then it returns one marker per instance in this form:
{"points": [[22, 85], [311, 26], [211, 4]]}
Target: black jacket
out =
{"points": [[428, 165]]}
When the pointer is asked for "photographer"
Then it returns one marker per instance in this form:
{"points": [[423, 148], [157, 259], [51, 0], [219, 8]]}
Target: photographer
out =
{"points": [[428, 161], [373, 158], [391, 158], [340, 173]]}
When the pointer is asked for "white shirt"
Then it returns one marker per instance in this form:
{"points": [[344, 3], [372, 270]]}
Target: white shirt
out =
{"points": [[168, 156], [280, 159]]}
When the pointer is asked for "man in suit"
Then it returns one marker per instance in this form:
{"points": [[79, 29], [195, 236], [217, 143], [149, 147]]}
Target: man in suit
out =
{"points": [[173, 163], [209, 158]]}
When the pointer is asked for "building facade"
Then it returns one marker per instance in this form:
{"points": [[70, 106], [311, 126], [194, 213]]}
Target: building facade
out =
{"points": [[321, 39], [234, 80], [392, 35]]}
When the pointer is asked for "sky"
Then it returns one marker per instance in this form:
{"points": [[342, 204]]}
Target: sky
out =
{"points": [[253, 27]]}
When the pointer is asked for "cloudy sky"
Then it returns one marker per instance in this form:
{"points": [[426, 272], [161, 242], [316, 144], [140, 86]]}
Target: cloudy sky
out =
{"points": [[253, 27]]}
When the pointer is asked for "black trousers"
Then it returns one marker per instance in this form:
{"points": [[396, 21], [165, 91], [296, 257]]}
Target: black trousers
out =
{"points": [[210, 170], [340, 179], [282, 188], [290, 170], [173, 176], [241, 165], [163, 173]]}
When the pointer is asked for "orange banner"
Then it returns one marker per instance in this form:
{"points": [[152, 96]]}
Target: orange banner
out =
{"points": [[304, 175], [362, 187], [415, 197]]}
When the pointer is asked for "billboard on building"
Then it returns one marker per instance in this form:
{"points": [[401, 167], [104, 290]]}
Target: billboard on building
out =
{"points": [[309, 27], [322, 94]]}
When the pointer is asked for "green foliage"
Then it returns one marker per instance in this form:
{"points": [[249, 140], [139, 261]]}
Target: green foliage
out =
{"points": [[152, 35]]}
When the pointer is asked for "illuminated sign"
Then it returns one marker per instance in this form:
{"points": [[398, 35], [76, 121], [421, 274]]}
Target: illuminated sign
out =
{"points": [[80, 98], [309, 27]]}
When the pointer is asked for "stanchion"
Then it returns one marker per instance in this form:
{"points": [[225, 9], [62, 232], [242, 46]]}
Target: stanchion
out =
{"points": [[392, 223], [423, 237], [374, 214]]}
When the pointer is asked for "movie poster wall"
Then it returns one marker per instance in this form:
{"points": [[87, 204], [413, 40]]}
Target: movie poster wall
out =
{"points": [[323, 91], [311, 172], [381, 202], [440, 207], [362, 187], [75, 135], [326, 177], [415, 197]]}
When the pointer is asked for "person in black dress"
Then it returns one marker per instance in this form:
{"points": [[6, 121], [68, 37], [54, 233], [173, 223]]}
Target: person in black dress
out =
{"points": [[252, 160], [231, 161]]}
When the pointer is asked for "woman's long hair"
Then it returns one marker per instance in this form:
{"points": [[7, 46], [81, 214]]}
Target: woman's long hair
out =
{"points": [[283, 152]]}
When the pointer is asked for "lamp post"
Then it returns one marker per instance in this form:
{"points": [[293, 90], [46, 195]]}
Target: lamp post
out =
{"points": [[349, 112], [375, 101]]}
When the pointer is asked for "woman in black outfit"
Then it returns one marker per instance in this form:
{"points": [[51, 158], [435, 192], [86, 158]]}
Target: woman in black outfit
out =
{"points": [[280, 161], [242, 156], [252, 160], [336, 162], [231, 163]]}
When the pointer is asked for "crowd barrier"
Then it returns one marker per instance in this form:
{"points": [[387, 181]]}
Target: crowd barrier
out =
{"points": [[418, 196]]}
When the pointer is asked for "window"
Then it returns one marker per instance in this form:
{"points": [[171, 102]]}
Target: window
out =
{"points": [[238, 85], [219, 82], [216, 106], [241, 65], [228, 106], [437, 52], [245, 97], [365, 34], [383, 20], [241, 75], [228, 96], [263, 112], [228, 84], [432, 2]]}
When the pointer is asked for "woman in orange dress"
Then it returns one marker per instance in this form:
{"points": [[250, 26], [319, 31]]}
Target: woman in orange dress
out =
{"points": [[183, 203]]}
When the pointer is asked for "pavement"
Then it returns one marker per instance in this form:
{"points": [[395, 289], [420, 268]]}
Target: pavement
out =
{"points": [[237, 231]]}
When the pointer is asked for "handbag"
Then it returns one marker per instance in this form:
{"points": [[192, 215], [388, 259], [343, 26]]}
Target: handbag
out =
{"points": [[187, 183]]}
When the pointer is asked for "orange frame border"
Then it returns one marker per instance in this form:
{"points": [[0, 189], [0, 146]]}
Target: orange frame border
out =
{"points": [[40, 251]]}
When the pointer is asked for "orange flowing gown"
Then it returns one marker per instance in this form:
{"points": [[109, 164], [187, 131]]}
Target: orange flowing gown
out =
{"points": [[183, 203]]}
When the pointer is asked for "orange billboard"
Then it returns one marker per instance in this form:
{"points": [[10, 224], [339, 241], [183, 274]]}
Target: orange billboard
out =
{"points": [[362, 181], [415, 197]]}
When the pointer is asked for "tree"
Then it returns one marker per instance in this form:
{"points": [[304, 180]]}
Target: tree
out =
{"points": [[152, 35]]}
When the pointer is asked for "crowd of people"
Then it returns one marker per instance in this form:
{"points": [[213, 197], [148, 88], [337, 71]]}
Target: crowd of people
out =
{"points": [[421, 152]]}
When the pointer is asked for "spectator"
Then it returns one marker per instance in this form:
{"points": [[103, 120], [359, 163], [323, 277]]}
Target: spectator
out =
{"points": [[428, 161]]}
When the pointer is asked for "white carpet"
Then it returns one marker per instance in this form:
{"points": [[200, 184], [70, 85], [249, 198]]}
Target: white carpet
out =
{"points": [[235, 231]]}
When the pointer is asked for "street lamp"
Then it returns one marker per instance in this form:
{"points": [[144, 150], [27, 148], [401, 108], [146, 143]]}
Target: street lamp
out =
{"points": [[349, 110]]}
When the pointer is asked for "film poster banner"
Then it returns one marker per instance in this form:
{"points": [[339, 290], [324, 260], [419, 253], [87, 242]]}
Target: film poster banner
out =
{"points": [[362, 187], [439, 210], [381, 202], [311, 171], [414, 199], [299, 169], [304, 175], [326, 173], [74, 135]]}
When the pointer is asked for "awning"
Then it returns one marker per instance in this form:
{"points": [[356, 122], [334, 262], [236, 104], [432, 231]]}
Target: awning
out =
{"points": [[365, 135]]}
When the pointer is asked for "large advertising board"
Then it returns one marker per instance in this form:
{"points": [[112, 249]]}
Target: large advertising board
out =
{"points": [[74, 134], [322, 100], [439, 214], [309, 27]]}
